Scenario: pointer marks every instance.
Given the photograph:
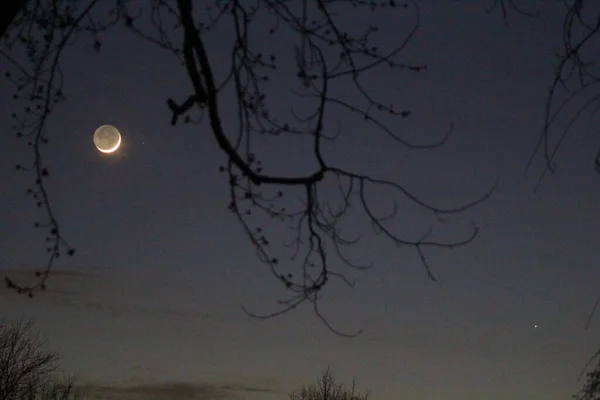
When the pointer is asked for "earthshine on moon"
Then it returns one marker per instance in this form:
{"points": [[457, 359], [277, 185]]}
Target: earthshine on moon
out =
{"points": [[107, 139]]}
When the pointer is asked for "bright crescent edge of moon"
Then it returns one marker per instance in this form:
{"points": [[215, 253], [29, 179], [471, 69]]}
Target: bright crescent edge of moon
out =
{"points": [[112, 149]]}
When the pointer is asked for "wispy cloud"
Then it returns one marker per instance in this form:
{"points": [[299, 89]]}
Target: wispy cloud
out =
{"points": [[94, 290], [172, 391]]}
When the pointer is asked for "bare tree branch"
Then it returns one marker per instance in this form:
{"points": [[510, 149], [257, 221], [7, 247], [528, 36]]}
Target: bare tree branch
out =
{"points": [[27, 371], [313, 206], [575, 85], [328, 388], [505, 5]]}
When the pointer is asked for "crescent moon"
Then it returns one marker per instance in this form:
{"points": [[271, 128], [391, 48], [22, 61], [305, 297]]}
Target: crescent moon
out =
{"points": [[112, 149], [107, 139]]}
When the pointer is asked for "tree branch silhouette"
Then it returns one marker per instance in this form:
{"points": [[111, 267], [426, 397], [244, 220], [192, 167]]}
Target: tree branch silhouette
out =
{"points": [[27, 370], [40, 85], [313, 206], [575, 88]]}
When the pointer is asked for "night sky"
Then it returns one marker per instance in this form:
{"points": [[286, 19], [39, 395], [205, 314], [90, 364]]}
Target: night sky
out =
{"points": [[150, 307]]}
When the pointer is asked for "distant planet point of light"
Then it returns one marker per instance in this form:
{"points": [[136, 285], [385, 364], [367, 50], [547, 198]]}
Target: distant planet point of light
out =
{"points": [[107, 139]]}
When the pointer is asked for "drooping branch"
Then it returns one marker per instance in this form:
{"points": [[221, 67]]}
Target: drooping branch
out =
{"points": [[317, 227], [314, 207], [505, 5], [40, 84], [205, 88], [576, 83]]}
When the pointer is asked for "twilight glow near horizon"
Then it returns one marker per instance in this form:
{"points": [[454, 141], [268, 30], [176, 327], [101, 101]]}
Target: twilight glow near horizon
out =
{"points": [[150, 305]]}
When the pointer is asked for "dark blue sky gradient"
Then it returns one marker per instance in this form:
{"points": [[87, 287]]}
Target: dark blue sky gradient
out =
{"points": [[152, 299]]}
